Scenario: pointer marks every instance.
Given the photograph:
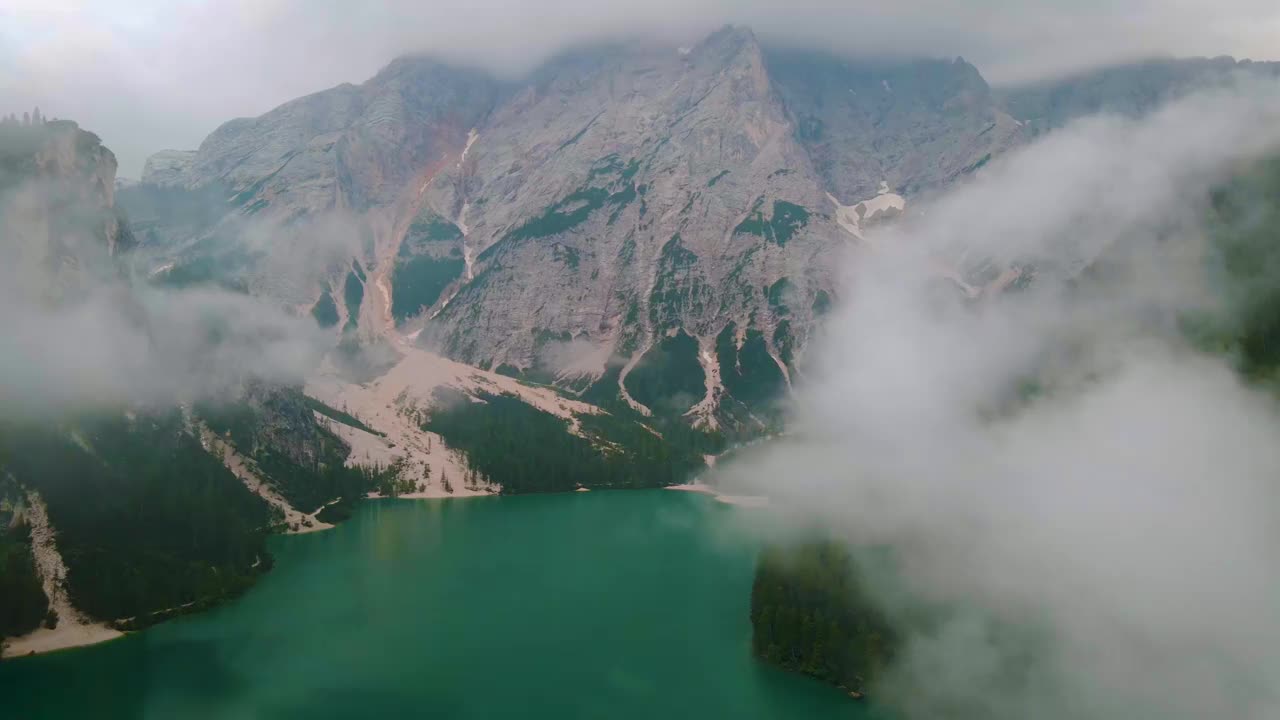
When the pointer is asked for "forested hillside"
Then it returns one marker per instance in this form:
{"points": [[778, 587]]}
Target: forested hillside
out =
{"points": [[146, 519], [24, 603], [525, 449], [303, 460], [809, 614], [126, 494], [1244, 227]]}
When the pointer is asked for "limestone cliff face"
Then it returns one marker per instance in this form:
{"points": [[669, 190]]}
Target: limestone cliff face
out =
{"points": [[628, 195], [916, 126], [352, 146], [625, 218], [169, 168], [643, 224], [57, 206]]}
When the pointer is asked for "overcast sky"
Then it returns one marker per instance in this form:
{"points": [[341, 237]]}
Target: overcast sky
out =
{"points": [[154, 74]]}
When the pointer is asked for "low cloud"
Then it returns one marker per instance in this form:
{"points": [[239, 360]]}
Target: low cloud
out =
{"points": [[188, 67], [1100, 544], [80, 335]]}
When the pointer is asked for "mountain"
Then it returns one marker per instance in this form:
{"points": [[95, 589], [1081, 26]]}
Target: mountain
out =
{"points": [[148, 490], [636, 224], [115, 513], [596, 275]]}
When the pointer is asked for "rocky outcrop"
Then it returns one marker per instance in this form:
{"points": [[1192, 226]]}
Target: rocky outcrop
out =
{"points": [[353, 147], [915, 126], [169, 168], [57, 205]]}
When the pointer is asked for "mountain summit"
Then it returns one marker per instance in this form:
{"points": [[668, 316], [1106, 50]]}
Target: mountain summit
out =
{"points": [[640, 224]]}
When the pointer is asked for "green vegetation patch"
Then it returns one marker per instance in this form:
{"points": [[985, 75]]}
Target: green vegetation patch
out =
{"points": [[810, 614], [780, 227], [678, 289], [220, 261], [749, 373], [325, 311], [785, 342], [428, 228], [337, 415], [353, 295], [821, 303], [305, 462], [978, 164], [567, 255], [777, 294], [146, 518], [417, 282], [527, 450], [616, 189], [669, 379], [1244, 232], [25, 605]]}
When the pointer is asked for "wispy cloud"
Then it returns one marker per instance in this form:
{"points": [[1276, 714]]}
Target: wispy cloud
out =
{"points": [[186, 67], [1101, 549]]}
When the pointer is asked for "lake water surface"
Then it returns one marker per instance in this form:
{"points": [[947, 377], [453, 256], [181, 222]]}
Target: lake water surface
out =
{"points": [[586, 605]]}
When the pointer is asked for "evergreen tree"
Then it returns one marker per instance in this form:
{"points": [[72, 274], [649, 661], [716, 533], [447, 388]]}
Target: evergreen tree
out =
{"points": [[809, 614]]}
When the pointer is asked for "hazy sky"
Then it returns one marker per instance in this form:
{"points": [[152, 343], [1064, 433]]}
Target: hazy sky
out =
{"points": [[152, 74]]}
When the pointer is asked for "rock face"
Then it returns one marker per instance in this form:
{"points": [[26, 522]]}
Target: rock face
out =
{"points": [[57, 205], [352, 147], [626, 195], [573, 227], [916, 126], [168, 168], [675, 213]]}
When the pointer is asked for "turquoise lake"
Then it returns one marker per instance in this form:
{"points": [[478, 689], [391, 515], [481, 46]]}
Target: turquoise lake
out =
{"points": [[585, 605]]}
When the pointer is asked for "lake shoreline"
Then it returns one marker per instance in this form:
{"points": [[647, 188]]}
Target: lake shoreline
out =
{"points": [[755, 501], [415, 606], [70, 636]]}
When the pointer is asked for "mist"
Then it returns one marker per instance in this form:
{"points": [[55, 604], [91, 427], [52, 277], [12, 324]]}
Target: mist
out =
{"points": [[84, 334], [185, 68], [1083, 504]]}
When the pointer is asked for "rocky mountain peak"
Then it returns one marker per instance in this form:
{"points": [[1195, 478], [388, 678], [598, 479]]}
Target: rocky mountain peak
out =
{"points": [[626, 217]]}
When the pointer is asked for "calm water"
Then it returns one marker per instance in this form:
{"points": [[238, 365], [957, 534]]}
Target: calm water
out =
{"points": [[586, 605]]}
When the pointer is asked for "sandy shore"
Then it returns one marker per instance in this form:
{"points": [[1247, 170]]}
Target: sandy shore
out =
{"points": [[739, 500], [73, 629], [66, 635]]}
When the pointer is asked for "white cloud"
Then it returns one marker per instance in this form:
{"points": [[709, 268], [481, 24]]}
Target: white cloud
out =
{"points": [[1124, 523], [147, 74]]}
